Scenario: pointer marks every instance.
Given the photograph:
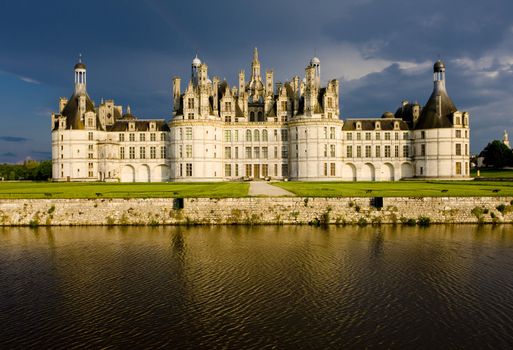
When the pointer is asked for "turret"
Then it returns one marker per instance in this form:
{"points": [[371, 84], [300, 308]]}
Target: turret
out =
{"points": [[196, 63], [80, 76], [255, 66], [176, 93], [242, 81], [269, 83]]}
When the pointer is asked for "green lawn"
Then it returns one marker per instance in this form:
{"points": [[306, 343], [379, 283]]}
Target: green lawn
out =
{"points": [[493, 173], [121, 190], [399, 189]]}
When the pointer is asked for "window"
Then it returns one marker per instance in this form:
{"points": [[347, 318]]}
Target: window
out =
{"points": [[332, 150], [163, 152], [458, 149], [227, 118], [332, 132], [153, 152], [236, 169], [227, 170], [284, 170], [256, 135], [188, 133], [422, 150], [181, 151], [458, 120], [122, 152], [190, 103], [89, 165], [367, 136], [142, 152], [163, 137], [359, 151], [152, 136], [275, 169], [368, 151], [297, 134], [330, 102], [264, 135], [396, 135], [227, 135], [131, 137], [121, 137], [236, 135], [387, 151], [260, 115], [228, 152], [396, 151], [466, 149], [275, 135], [378, 136], [256, 152], [248, 135], [265, 152], [90, 136], [349, 151], [405, 151], [228, 106], [90, 156], [378, 151], [358, 136], [90, 147], [142, 137], [284, 135], [458, 168], [248, 170], [188, 151], [275, 151], [325, 150], [131, 152], [252, 116], [248, 152], [265, 170], [284, 105], [325, 133], [181, 134], [458, 133], [181, 170], [284, 152], [90, 174], [90, 122], [332, 169], [325, 169], [405, 135], [422, 134], [387, 136], [188, 169], [236, 153], [350, 136]]}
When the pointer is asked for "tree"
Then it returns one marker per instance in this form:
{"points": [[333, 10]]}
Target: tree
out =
{"points": [[496, 154]]}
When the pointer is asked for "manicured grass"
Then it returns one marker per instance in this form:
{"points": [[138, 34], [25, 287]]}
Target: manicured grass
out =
{"points": [[121, 190], [399, 189], [493, 173]]}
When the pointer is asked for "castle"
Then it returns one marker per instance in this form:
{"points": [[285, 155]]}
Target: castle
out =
{"points": [[258, 130]]}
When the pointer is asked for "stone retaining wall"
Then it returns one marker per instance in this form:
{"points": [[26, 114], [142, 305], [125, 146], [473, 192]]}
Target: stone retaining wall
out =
{"points": [[260, 210]]}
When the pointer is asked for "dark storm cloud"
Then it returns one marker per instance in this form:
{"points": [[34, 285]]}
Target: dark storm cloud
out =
{"points": [[13, 139], [41, 154], [8, 155]]}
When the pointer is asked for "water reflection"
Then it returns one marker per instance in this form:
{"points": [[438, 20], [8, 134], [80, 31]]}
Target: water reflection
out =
{"points": [[256, 287]]}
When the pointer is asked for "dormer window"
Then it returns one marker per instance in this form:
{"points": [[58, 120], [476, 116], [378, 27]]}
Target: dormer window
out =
{"points": [[131, 126], [152, 126], [396, 126], [358, 126], [377, 126]]}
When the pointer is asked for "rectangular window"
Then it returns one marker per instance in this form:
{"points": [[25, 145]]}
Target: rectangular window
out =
{"points": [[188, 169], [90, 147], [368, 151], [265, 170], [358, 136], [190, 103], [248, 152], [332, 150], [405, 135], [188, 151], [284, 135], [152, 136], [325, 169], [188, 133], [153, 152], [265, 153], [378, 136], [332, 132], [89, 165], [163, 152], [228, 106], [131, 137], [284, 105], [405, 151], [236, 135], [332, 169], [422, 134], [285, 170], [275, 135], [350, 136], [349, 151], [396, 135], [131, 152], [142, 152], [378, 151], [227, 170], [90, 136], [325, 150], [387, 151], [275, 169], [90, 174], [122, 152], [236, 153], [396, 151], [387, 136], [422, 150], [236, 170], [466, 149], [367, 136], [163, 136], [358, 151], [228, 152], [142, 137], [121, 137], [458, 168], [180, 151], [458, 149], [275, 152], [458, 133], [248, 170], [284, 152], [227, 135], [325, 133]]}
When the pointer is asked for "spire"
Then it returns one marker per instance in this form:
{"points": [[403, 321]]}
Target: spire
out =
{"points": [[128, 110], [80, 76], [255, 55]]}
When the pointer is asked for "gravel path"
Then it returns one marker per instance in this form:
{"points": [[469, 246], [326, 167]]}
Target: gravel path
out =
{"points": [[258, 188]]}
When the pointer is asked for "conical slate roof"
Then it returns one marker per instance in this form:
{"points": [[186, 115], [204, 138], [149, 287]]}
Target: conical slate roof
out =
{"points": [[437, 111], [72, 113]]}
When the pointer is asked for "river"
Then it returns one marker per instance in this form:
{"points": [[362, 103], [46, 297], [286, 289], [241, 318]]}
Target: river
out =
{"points": [[233, 287]]}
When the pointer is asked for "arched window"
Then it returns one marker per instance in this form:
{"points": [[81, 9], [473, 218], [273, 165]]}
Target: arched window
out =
{"points": [[264, 135], [248, 135], [256, 135], [260, 116], [252, 116]]}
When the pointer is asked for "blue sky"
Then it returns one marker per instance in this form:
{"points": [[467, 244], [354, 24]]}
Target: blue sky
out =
{"points": [[382, 52]]}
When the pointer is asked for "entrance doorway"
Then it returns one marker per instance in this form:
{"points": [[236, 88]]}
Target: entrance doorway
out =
{"points": [[256, 171]]}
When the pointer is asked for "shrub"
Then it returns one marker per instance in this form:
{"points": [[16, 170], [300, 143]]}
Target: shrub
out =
{"points": [[362, 222], [409, 222], [477, 212], [501, 208], [51, 209], [423, 221]]}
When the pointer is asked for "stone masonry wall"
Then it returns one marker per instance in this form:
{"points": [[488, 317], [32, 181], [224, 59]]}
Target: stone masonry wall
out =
{"points": [[258, 210]]}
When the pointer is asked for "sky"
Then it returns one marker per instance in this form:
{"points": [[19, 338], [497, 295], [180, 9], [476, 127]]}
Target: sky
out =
{"points": [[381, 51]]}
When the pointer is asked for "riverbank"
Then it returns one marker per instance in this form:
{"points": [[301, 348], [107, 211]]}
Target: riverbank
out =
{"points": [[256, 211]]}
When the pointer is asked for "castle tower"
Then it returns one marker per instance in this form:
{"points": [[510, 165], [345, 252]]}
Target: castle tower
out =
{"points": [[196, 63], [255, 66], [176, 93], [505, 139], [80, 76], [316, 64]]}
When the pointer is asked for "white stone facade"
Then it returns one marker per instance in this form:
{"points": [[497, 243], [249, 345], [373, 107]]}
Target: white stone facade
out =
{"points": [[258, 130]]}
